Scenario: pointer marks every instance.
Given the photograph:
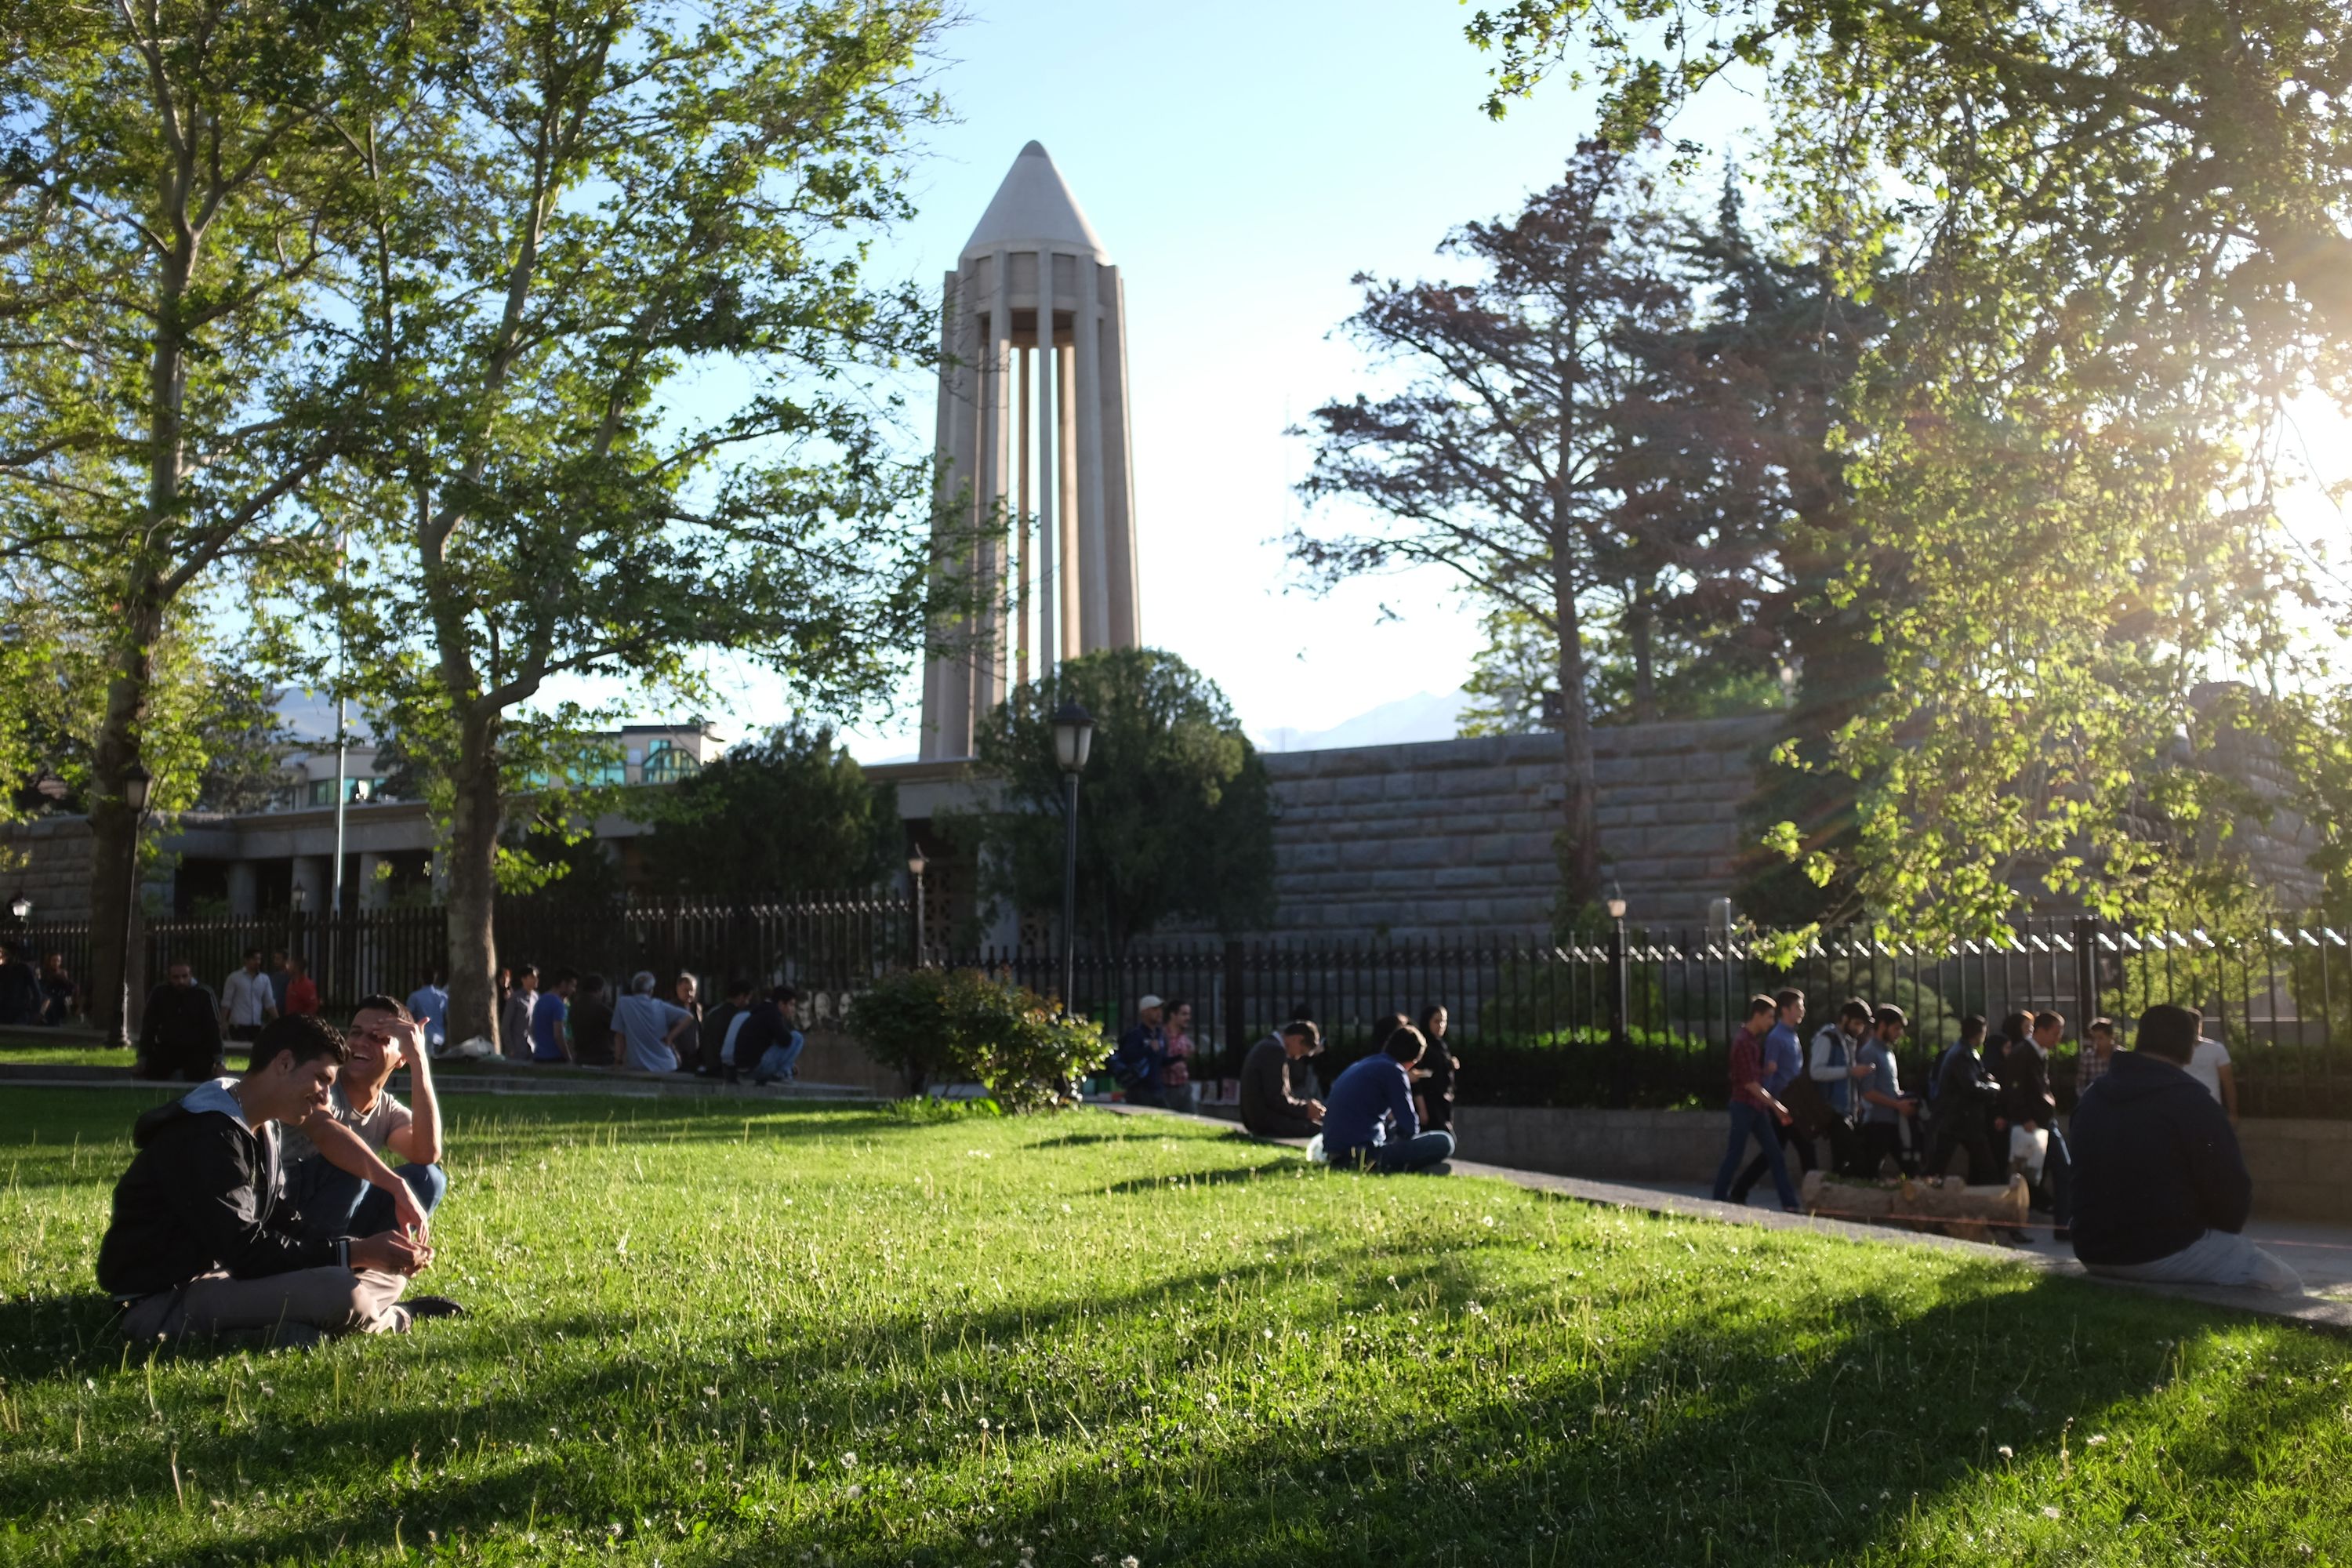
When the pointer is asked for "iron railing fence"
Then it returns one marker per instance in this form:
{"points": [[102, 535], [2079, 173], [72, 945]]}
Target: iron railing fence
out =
{"points": [[1536, 1020]]}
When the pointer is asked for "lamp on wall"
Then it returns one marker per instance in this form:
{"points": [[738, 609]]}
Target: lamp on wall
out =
{"points": [[21, 907]]}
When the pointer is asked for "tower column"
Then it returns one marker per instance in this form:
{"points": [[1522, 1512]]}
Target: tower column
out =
{"points": [[1049, 473], [1094, 579]]}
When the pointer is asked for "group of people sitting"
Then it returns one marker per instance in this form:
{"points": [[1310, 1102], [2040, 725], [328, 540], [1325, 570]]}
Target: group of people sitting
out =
{"points": [[754, 1034], [262, 1203], [1390, 1111]]}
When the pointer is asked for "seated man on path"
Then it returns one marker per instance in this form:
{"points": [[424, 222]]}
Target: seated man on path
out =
{"points": [[1139, 1066], [1370, 1120], [2160, 1188], [648, 1027], [1269, 1108], [779, 1041], [334, 1156], [180, 1034], [202, 1240]]}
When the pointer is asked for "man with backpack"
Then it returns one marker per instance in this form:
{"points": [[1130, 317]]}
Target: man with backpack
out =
{"points": [[1833, 1065], [1139, 1066]]}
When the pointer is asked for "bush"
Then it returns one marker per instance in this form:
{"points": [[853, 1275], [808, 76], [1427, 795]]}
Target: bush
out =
{"points": [[944, 1025]]}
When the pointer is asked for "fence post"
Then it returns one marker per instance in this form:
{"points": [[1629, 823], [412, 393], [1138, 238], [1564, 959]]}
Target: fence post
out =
{"points": [[1235, 1019], [2087, 971], [1621, 1046]]}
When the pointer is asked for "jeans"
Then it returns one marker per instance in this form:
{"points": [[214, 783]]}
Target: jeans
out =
{"points": [[1756, 1169], [1182, 1097], [1754, 1122], [778, 1061], [1418, 1153], [1150, 1094], [2216, 1257], [335, 1203]]}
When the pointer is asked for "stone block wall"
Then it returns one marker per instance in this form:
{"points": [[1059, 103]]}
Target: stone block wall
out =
{"points": [[1454, 837], [49, 861]]}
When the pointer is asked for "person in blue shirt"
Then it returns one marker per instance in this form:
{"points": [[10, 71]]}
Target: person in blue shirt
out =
{"points": [[1375, 1090], [429, 1005], [1783, 1063], [551, 1020]]}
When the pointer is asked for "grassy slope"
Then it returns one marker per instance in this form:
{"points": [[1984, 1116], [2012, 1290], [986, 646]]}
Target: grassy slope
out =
{"points": [[839, 1335]]}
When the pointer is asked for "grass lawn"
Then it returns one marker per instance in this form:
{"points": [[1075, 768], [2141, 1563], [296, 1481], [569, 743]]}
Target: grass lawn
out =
{"points": [[864, 1336]]}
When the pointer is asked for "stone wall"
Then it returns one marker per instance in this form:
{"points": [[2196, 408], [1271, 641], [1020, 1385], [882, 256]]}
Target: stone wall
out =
{"points": [[1454, 837], [49, 861]]}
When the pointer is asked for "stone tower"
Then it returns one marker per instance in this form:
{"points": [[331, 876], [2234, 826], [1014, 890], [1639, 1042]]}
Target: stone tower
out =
{"points": [[1032, 429]]}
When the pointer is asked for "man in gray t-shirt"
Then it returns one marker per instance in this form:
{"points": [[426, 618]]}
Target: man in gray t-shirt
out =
{"points": [[1890, 1118], [334, 1157]]}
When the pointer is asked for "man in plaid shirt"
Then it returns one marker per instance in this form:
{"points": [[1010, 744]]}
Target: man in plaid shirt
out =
{"points": [[2098, 1045]]}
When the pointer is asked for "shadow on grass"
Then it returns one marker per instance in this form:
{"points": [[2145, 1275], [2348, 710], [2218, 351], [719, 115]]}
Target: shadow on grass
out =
{"points": [[1701, 1438], [1241, 1175]]}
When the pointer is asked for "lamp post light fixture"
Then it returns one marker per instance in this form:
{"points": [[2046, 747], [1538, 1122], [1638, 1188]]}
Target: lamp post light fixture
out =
{"points": [[915, 864], [136, 783], [1074, 738], [22, 908]]}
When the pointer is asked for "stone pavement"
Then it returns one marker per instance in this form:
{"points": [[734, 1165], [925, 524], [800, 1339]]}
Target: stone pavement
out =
{"points": [[2322, 1254]]}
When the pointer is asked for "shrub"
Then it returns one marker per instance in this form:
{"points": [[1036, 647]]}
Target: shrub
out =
{"points": [[939, 1025]]}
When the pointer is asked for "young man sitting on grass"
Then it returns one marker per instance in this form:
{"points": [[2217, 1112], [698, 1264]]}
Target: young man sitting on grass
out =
{"points": [[202, 1240], [1382, 1085], [2160, 1191], [334, 1156]]}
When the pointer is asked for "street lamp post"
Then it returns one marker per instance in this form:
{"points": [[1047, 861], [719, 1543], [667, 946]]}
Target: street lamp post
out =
{"points": [[915, 864], [135, 785], [1620, 1044], [1073, 737], [22, 908]]}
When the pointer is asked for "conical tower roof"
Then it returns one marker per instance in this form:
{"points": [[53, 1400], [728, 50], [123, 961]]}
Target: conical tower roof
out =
{"points": [[1034, 207]]}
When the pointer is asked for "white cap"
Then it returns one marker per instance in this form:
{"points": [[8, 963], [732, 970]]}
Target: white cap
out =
{"points": [[1149, 1001]]}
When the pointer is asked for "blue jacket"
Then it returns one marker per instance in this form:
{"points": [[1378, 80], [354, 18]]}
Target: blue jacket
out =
{"points": [[1141, 1056], [2156, 1163], [1351, 1116]]}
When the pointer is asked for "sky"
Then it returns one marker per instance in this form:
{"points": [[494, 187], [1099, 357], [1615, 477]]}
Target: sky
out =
{"points": [[1241, 163]]}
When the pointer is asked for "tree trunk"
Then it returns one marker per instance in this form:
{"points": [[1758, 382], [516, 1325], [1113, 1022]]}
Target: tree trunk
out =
{"points": [[113, 827], [1580, 845], [1642, 633], [473, 885]]}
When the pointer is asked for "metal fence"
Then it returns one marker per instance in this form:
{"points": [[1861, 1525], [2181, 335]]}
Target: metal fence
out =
{"points": [[1639, 1016]]}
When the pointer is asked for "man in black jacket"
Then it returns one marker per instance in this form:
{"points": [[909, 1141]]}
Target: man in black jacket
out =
{"points": [[202, 1239], [180, 1033], [2161, 1190], [1269, 1107]]}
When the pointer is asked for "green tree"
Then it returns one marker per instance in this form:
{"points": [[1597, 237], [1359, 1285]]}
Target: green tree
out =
{"points": [[1502, 459], [172, 178], [2111, 241], [625, 204], [1175, 811], [789, 812]]}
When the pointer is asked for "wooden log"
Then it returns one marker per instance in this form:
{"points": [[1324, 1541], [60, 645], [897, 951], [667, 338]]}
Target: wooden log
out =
{"points": [[1938, 1206]]}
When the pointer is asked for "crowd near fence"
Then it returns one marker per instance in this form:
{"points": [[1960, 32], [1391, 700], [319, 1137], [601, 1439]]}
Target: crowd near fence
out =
{"points": [[1623, 1015]]}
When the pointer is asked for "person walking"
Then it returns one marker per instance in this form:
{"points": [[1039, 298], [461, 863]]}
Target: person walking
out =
{"points": [[2028, 1106], [1754, 1111], [246, 1000], [1832, 1067], [1890, 1127], [1782, 1067], [1963, 1102], [515, 1015]]}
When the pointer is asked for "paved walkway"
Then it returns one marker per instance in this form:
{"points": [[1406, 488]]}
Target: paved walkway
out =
{"points": [[624, 1083], [2322, 1254]]}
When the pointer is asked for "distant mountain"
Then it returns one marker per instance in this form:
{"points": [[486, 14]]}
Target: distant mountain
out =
{"points": [[1429, 716]]}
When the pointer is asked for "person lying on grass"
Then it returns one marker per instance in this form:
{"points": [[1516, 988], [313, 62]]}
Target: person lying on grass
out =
{"points": [[1377, 1090], [202, 1240], [333, 1157]]}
